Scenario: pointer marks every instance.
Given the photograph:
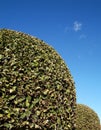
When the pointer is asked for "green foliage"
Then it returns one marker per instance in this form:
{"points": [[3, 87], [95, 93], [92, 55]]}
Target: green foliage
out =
{"points": [[36, 88], [87, 119]]}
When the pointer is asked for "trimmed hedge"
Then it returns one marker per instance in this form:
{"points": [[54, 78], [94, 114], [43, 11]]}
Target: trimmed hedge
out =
{"points": [[36, 87], [87, 119]]}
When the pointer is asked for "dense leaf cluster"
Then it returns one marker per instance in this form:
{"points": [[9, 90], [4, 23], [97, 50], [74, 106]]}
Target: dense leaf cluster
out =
{"points": [[87, 119], [36, 88]]}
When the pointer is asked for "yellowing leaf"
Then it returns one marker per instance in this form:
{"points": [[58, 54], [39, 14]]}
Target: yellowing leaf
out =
{"points": [[45, 92], [1, 115]]}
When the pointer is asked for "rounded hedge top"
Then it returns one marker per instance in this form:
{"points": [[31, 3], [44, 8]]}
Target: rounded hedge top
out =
{"points": [[36, 88], [87, 119]]}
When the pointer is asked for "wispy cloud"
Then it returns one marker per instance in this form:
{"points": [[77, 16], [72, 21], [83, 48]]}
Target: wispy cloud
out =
{"points": [[82, 36], [77, 26], [66, 29]]}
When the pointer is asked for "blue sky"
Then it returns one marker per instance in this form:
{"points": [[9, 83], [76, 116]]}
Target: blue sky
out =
{"points": [[73, 28]]}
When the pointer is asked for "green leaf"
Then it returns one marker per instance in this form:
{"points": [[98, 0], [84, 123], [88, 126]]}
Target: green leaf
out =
{"points": [[9, 126], [8, 115], [13, 89], [19, 100], [12, 97], [27, 103], [35, 101], [28, 99], [37, 126], [1, 56], [38, 113], [45, 122], [25, 123], [25, 114], [16, 109], [59, 87]]}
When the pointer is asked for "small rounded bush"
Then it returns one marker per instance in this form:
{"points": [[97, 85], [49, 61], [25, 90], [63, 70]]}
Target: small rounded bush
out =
{"points": [[86, 119], [36, 88]]}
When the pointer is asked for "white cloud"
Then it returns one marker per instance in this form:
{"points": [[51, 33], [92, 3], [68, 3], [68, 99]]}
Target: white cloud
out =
{"points": [[77, 26]]}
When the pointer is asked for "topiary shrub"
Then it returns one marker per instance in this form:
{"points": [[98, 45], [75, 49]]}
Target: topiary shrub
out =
{"points": [[87, 119], [36, 88]]}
